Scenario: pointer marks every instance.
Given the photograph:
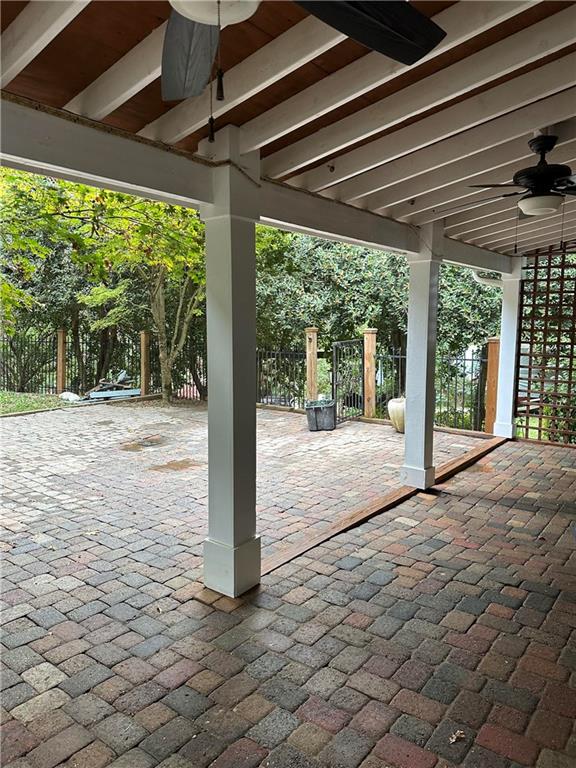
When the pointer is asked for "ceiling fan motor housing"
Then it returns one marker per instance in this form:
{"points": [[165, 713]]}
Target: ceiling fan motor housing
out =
{"points": [[542, 177], [542, 144]]}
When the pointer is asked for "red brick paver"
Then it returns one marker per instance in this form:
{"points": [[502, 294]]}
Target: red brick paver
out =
{"points": [[438, 634]]}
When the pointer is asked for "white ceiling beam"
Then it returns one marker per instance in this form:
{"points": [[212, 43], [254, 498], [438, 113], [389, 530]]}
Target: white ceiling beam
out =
{"points": [[458, 223], [542, 229], [504, 98], [542, 241], [429, 206], [549, 225], [129, 75], [506, 218], [532, 117], [464, 168], [466, 255], [526, 226], [37, 24], [291, 50], [300, 211], [498, 224], [460, 22], [516, 151], [529, 45], [43, 142]]}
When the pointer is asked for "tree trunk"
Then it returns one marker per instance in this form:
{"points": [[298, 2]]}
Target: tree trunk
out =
{"points": [[197, 379], [77, 347], [158, 308], [107, 344]]}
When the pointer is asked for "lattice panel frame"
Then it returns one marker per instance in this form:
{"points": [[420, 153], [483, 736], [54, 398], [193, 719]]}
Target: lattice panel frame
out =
{"points": [[546, 359]]}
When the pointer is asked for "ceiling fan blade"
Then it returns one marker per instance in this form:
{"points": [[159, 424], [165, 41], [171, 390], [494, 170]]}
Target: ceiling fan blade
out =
{"points": [[490, 186], [187, 57], [471, 203], [394, 28]]}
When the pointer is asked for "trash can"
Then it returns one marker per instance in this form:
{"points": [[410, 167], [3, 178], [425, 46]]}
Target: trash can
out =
{"points": [[321, 415]]}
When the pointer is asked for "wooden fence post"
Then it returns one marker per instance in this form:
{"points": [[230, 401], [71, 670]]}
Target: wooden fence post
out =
{"points": [[311, 363], [61, 361], [370, 372], [144, 362], [491, 384]]}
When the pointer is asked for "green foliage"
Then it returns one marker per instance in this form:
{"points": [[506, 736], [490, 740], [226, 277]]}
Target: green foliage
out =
{"points": [[338, 287], [344, 289]]}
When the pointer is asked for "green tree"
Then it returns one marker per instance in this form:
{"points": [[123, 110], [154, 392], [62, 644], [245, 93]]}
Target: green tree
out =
{"points": [[142, 260], [343, 289]]}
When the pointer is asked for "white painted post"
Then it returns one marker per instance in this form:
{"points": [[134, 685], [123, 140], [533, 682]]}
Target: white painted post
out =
{"points": [[232, 549], [504, 425], [418, 469]]}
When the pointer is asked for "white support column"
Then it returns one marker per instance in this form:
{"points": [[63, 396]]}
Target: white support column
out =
{"points": [[505, 403], [232, 549], [418, 469]]}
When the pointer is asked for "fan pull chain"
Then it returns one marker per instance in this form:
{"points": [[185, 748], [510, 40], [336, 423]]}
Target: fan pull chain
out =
{"points": [[562, 225], [219, 72], [211, 128]]}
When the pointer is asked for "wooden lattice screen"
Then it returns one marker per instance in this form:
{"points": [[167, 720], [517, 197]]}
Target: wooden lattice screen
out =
{"points": [[546, 365]]}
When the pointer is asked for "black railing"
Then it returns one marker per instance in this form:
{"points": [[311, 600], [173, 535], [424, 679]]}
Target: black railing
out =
{"points": [[94, 356], [461, 391], [460, 386], [189, 371], [348, 379], [28, 363], [390, 376], [281, 378]]}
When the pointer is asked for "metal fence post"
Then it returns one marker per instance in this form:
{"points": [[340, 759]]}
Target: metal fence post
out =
{"points": [[311, 363], [144, 362], [370, 372], [492, 384], [61, 361]]}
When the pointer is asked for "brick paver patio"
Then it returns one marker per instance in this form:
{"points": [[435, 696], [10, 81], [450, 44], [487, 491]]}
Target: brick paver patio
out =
{"points": [[438, 634], [143, 470]]}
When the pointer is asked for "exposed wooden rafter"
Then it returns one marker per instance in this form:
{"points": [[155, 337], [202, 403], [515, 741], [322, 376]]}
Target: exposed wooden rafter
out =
{"points": [[463, 145], [32, 30], [371, 71], [511, 95], [299, 45], [491, 63]]}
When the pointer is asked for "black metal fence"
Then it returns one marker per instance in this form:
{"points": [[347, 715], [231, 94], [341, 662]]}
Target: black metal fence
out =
{"points": [[28, 363], [348, 379], [460, 386], [91, 357], [190, 370], [281, 378]]}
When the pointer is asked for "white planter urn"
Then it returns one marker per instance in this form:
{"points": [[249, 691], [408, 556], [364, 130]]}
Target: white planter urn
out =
{"points": [[397, 412]]}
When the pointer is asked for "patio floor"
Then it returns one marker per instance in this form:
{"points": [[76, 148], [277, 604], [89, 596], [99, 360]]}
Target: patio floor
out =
{"points": [[437, 634], [115, 471]]}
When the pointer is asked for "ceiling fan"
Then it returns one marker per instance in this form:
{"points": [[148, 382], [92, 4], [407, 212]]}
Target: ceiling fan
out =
{"points": [[191, 44], [543, 186]]}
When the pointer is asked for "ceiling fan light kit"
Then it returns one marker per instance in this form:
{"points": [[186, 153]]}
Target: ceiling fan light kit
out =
{"points": [[206, 11], [540, 205]]}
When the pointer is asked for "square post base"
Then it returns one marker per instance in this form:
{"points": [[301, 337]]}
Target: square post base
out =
{"points": [[231, 570], [417, 477], [504, 429]]}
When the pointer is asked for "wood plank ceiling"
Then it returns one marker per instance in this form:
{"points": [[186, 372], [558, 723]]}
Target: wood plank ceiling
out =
{"points": [[510, 45]]}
